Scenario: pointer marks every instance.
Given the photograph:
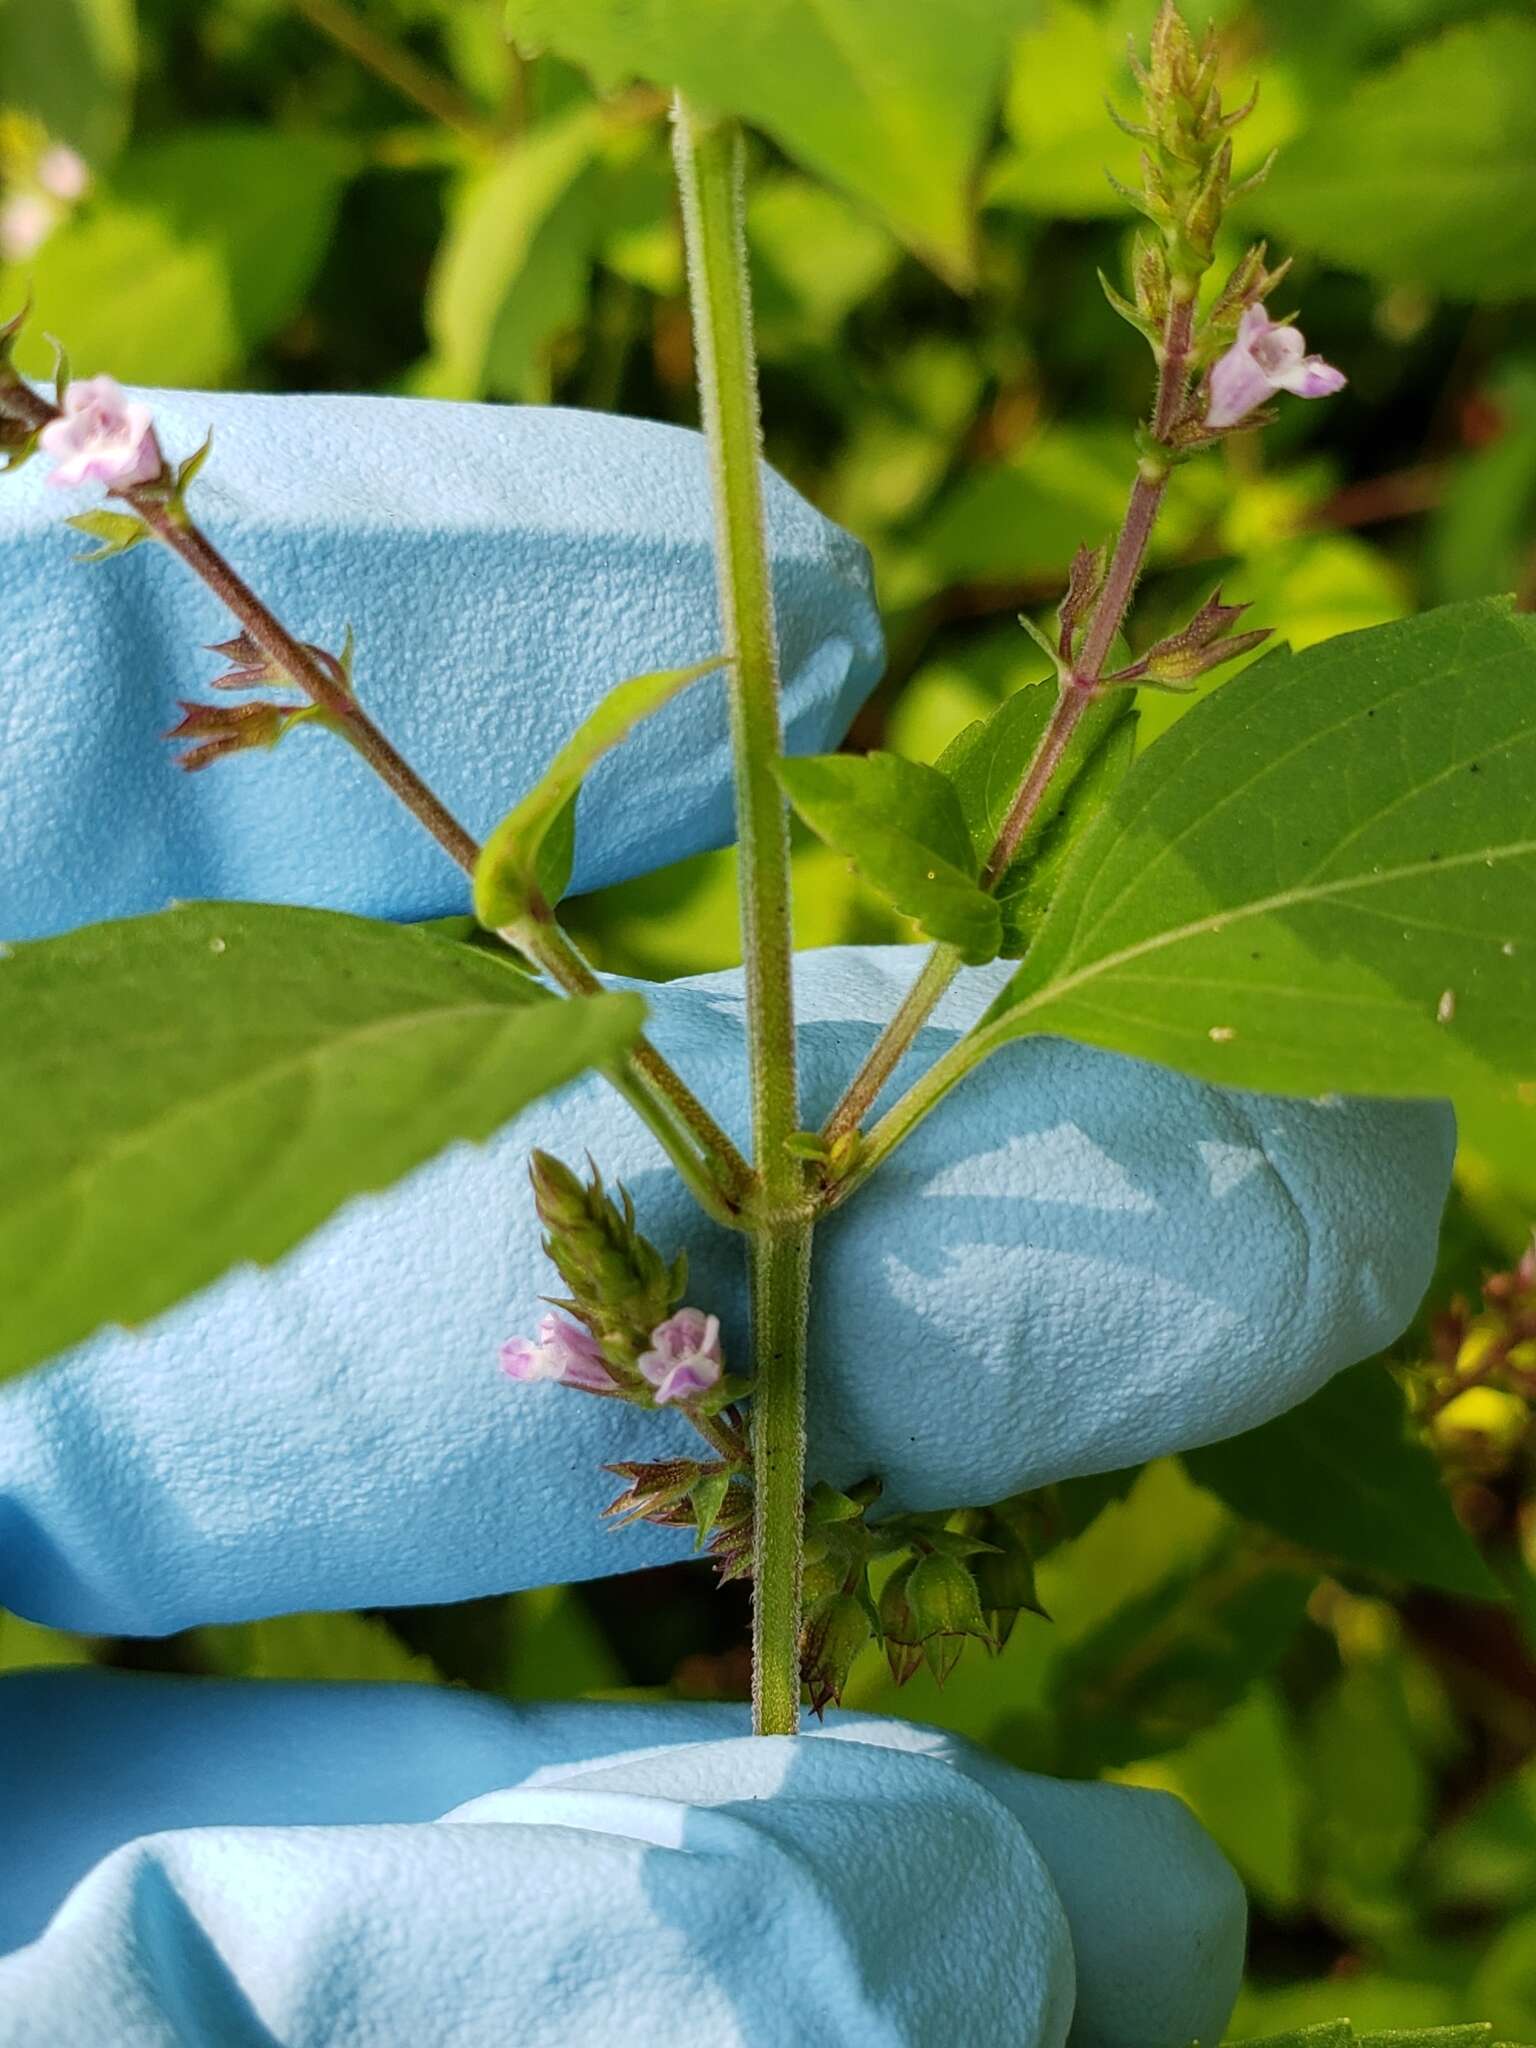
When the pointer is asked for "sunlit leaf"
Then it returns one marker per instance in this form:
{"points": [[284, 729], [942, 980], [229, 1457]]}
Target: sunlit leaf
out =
{"points": [[207, 1085]]}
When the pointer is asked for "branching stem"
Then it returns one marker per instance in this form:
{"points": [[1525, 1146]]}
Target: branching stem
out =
{"points": [[703, 1153]]}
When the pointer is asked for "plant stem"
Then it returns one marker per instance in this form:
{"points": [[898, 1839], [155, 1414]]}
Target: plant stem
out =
{"points": [[1079, 687], [711, 177], [397, 67], [780, 1287], [343, 712], [649, 1083], [726, 1173]]}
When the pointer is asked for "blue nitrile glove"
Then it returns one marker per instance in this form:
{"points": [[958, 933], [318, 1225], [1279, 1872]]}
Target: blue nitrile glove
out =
{"points": [[502, 568], [1078, 1262], [604, 1872]]}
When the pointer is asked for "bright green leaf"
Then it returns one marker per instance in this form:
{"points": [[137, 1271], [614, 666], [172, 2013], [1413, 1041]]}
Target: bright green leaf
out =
{"points": [[902, 826], [889, 98], [206, 1086], [1424, 174], [528, 856], [1341, 1476], [512, 270], [1381, 939]]}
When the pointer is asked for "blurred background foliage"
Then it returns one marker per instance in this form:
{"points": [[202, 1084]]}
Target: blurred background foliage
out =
{"points": [[1323, 1637]]}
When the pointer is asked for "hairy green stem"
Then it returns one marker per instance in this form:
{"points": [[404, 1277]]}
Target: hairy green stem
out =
{"points": [[711, 177], [703, 1153]]}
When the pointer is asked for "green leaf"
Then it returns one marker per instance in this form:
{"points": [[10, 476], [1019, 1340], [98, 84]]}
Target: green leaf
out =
{"points": [[987, 763], [200, 249], [205, 1086], [1164, 1666], [1370, 1781], [889, 98], [512, 270], [72, 64], [1382, 939], [527, 859], [348, 1647], [1341, 1476], [902, 826], [1424, 174], [1242, 1779]]}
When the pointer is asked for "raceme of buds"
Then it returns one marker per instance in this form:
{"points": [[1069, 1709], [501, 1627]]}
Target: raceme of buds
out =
{"points": [[1267, 356], [684, 1358], [102, 436], [1186, 166], [618, 1284], [563, 1352]]}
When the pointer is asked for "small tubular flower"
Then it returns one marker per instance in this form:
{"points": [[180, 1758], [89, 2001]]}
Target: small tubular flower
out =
{"points": [[563, 1352], [102, 436], [685, 1357], [1266, 357]]}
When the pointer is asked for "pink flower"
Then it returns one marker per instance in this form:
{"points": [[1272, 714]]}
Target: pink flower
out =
{"points": [[1266, 357], [63, 172], [27, 219], [102, 436], [685, 1357], [564, 1352]]}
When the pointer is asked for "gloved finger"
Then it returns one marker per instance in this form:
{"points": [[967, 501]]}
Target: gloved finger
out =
{"points": [[1079, 1262], [502, 567], [741, 1891]]}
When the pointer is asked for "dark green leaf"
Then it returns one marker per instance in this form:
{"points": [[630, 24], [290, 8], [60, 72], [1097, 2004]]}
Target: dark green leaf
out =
{"points": [[1165, 1665], [1341, 1476], [528, 856], [901, 824], [1424, 175], [890, 98], [987, 763], [1322, 878], [206, 1086]]}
